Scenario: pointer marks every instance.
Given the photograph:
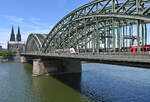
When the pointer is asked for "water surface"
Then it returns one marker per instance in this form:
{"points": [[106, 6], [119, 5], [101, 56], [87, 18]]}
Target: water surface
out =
{"points": [[97, 83], [18, 85]]}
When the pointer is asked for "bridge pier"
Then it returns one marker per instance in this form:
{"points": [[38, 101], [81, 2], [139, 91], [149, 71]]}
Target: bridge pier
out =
{"points": [[42, 67], [23, 59], [38, 68]]}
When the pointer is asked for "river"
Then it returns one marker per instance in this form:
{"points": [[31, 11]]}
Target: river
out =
{"points": [[97, 83]]}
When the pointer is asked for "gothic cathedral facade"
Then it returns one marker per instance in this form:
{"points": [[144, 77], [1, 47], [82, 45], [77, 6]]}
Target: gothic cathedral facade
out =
{"points": [[15, 43]]}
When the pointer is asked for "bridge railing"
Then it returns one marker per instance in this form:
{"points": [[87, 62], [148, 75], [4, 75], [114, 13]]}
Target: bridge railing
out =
{"points": [[144, 55]]}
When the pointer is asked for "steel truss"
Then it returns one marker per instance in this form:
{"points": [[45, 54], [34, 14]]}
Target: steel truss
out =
{"points": [[101, 24]]}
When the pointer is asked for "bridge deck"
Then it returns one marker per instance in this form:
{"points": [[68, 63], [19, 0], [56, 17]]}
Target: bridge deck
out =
{"points": [[109, 57]]}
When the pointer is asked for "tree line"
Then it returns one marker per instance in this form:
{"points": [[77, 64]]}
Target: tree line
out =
{"points": [[7, 54]]}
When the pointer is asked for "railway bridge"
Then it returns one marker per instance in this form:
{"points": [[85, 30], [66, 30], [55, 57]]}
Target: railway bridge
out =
{"points": [[102, 30]]}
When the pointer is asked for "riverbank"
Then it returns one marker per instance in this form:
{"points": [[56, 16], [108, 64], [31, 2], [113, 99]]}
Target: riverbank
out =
{"points": [[12, 58], [6, 56]]}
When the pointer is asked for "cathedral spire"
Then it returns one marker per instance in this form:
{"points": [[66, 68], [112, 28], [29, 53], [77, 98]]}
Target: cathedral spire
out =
{"points": [[12, 38], [18, 34]]}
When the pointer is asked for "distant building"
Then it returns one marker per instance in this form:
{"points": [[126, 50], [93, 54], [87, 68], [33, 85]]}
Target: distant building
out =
{"points": [[15, 44]]}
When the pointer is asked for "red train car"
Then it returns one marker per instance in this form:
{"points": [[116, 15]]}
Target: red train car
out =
{"points": [[145, 48]]}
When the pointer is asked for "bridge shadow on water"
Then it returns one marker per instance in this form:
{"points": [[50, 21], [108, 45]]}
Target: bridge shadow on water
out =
{"points": [[77, 82], [87, 83], [98, 82], [71, 80]]}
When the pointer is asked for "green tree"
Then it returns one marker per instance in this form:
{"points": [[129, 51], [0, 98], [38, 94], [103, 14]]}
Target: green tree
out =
{"points": [[7, 54]]}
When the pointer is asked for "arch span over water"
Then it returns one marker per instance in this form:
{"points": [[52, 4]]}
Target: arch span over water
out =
{"points": [[101, 24]]}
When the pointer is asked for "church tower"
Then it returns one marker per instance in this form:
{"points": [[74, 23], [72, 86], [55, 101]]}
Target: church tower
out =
{"points": [[18, 34], [15, 43], [12, 37]]}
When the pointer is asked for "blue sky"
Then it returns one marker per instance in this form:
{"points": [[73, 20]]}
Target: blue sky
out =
{"points": [[33, 16]]}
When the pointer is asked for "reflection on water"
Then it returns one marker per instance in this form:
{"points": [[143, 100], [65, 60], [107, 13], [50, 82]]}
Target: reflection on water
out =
{"points": [[72, 80], [111, 83], [18, 85], [98, 82], [116, 83], [15, 84], [54, 91]]}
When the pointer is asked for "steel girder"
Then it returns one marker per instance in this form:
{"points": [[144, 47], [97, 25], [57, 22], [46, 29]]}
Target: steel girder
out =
{"points": [[34, 42], [101, 23]]}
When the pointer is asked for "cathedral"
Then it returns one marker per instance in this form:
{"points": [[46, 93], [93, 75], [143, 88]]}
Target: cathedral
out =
{"points": [[15, 43]]}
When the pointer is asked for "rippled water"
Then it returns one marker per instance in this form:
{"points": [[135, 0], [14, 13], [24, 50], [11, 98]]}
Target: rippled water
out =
{"points": [[116, 83], [98, 82], [18, 85]]}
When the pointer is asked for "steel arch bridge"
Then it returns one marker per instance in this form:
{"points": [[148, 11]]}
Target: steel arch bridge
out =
{"points": [[100, 24], [34, 42]]}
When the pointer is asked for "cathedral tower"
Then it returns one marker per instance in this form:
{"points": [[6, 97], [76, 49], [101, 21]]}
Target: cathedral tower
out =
{"points": [[18, 35], [12, 37]]}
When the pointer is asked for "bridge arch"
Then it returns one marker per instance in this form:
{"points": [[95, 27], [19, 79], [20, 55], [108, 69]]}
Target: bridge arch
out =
{"points": [[34, 43], [100, 24]]}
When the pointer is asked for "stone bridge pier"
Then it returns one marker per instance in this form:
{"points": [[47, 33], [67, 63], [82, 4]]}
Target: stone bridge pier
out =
{"points": [[55, 66], [41, 67], [23, 59]]}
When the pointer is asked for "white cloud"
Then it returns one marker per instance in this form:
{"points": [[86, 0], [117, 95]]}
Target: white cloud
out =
{"points": [[13, 18], [27, 26]]}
